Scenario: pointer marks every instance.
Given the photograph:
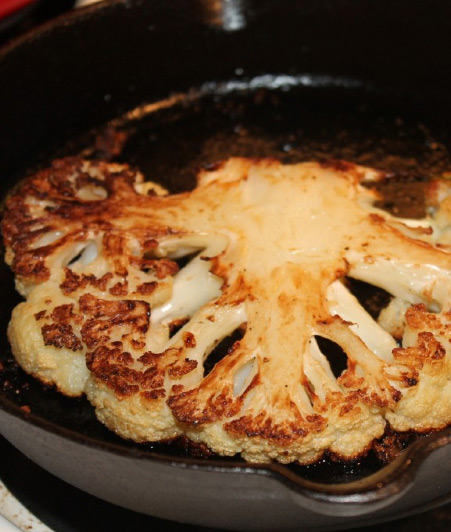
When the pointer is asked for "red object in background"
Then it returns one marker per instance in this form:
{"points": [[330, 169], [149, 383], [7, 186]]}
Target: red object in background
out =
{"points": [[8, 7]]}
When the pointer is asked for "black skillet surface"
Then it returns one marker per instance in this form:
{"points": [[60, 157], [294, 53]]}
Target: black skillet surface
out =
{"points": [[170, 86]]}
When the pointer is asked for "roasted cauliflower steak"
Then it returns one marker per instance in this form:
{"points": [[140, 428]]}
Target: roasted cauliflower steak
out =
{"points": [[130, 289]]}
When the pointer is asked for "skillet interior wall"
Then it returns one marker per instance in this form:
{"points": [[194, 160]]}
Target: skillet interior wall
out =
{"points": [[106, 60]]}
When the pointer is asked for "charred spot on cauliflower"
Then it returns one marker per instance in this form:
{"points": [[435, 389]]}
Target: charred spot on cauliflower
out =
{"points": [[129, 289]]}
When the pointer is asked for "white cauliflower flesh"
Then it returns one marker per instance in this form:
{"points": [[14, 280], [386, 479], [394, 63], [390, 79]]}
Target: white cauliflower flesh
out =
{"points": [[129, 290]]}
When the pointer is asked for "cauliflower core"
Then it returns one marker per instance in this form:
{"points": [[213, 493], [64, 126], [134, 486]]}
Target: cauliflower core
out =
{"points": [[129, 290]]}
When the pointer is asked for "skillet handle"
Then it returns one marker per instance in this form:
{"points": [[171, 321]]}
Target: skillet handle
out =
{"points": [[418, 479]]}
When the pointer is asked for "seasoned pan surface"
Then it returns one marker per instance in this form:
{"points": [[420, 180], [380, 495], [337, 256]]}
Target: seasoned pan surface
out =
{"points": [[169, 125]]}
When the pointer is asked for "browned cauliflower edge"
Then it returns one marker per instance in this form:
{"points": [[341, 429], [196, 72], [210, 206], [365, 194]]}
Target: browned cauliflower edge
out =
{"points": [[129, 290]]}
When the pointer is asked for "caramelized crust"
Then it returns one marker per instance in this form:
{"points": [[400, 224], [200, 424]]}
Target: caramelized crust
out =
{"points": [[112, 311]]}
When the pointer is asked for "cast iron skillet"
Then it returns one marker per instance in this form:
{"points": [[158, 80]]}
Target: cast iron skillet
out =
{"points": [[168, 87]]}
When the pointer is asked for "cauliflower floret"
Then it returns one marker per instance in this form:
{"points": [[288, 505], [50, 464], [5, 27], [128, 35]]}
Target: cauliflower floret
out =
{"points": [[130, 290], [49, 349], [426, 347]]}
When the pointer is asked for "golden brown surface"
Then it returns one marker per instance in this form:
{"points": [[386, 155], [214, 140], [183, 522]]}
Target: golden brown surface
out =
{"points": [[112, 311]]}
